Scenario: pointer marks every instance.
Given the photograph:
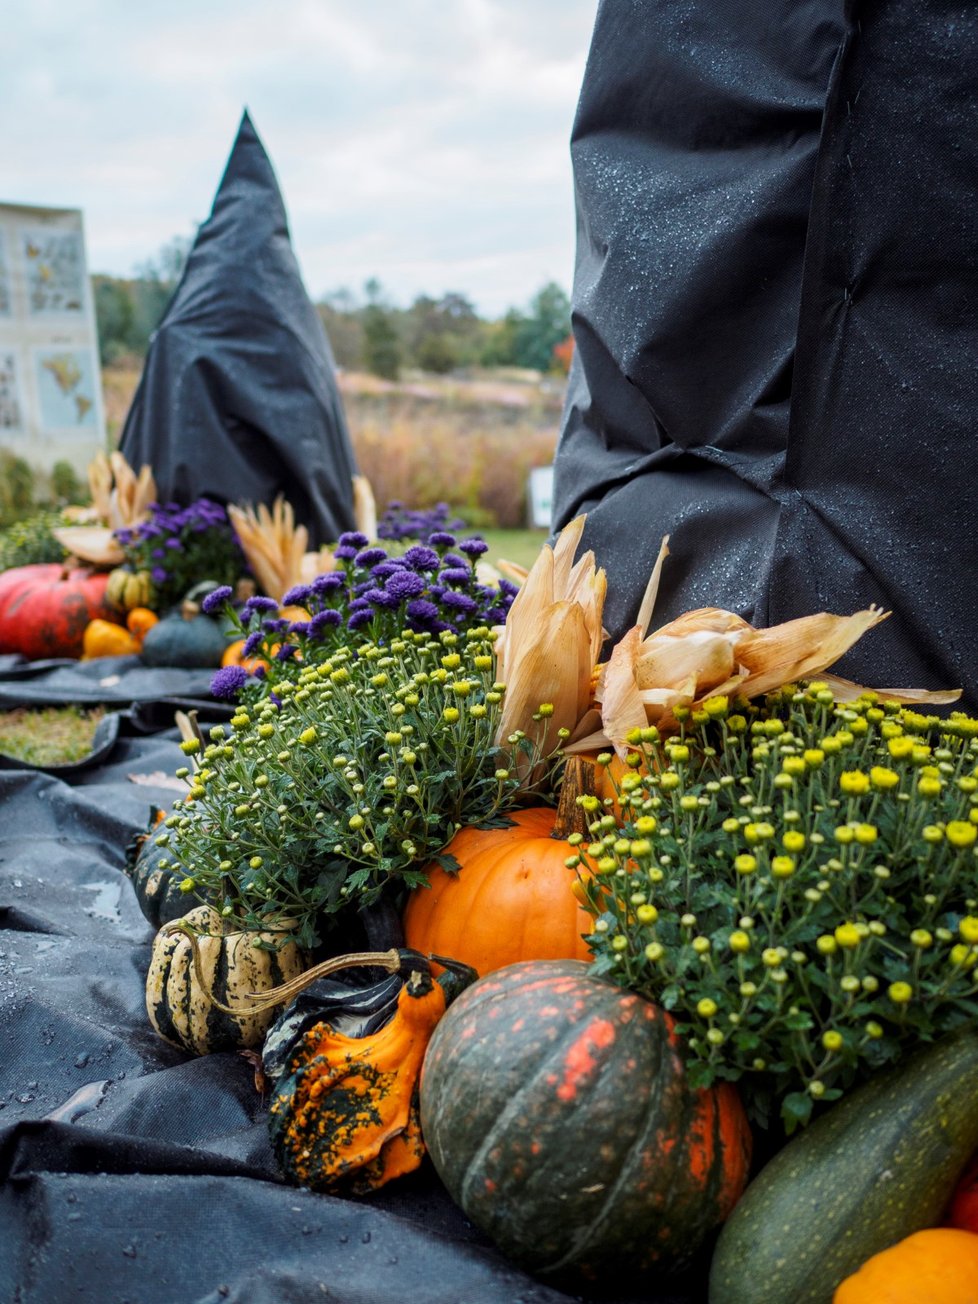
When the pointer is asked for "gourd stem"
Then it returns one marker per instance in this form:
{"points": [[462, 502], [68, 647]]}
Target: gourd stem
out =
{"points": [[578, 781], [259, 1002], [390, 960]]}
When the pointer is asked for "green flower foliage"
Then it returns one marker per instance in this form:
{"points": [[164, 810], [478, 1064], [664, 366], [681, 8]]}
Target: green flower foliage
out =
{"points": [[374, 759], [797, 882], [30, 542]]}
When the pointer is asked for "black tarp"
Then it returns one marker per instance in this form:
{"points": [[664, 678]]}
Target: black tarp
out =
{"points": [[776, 316], [131, 1173], [238, 399]]}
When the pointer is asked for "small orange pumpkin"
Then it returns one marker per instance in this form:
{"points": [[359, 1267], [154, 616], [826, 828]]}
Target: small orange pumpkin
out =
{"points": [[233, 657], [104, 638], [139, 621], [512, 897], [935, 1266]]}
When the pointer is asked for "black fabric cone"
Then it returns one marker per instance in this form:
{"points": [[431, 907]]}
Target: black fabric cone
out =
{"points": [[238, 400], [774, 310]]}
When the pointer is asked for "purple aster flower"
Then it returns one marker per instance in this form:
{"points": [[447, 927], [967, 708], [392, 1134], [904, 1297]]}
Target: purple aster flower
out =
{"points": [[455, 575], [216, 599], [474, 547], [381, 598], [327, 583], [453, 559], [353, 539], [422, 610], [252, 643], [345, 552], [405, 584], [459, 602], [370, 557], [157, 554], [385, 568], [124, 537], [300, 627], [275, 700], [508, 588], [275, 626], [297, 596], [360, 618], [170, 507], [158, 575], [175, 544], [255, 606], [360, 604], [420, 558], [285, 652], [228, 682], [440, 539], [323, 620]]}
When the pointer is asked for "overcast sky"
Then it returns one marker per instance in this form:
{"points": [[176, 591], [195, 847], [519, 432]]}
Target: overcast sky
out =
{"points": [[425, 142]]}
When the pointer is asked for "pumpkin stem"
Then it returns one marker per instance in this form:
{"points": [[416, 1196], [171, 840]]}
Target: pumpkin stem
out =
{"points": [[578, 781]]}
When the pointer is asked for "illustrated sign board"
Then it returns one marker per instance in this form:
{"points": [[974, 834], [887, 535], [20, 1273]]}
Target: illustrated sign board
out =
{"points": [[541, 496], [50, 384]]}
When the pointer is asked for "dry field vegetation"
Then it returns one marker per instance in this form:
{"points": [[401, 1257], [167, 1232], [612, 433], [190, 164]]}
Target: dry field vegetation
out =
{"points": [[469, 442]]}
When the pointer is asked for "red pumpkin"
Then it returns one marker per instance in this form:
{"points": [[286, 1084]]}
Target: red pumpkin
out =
{"points": [[45, 609], [556, 1110], [512, 898], [963, 1209]]}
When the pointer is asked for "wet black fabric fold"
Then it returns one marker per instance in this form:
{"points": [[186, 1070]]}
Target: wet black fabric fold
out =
{"points": [[238, 399], [775, 316], [131, 1172]]}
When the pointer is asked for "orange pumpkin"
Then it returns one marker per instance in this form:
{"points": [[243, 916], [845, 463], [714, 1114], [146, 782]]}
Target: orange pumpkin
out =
{"points": [[233, 657], [139, 621], [936, 1266], [104, 638], [512, 898]]}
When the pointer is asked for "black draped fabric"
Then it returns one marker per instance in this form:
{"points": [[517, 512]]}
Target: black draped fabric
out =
{"points": [[238, 398], [776, 317], [130, 1172]]}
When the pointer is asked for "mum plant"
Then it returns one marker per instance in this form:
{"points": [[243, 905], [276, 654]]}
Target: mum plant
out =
{"points": [[180, 546], [797, 881], [357, 773], [370, 596]]}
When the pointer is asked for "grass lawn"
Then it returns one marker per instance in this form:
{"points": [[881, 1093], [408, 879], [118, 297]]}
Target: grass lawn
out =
{"points": [[55, 736], [513, 545]]}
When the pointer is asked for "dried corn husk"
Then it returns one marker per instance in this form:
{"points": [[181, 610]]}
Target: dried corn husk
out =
{"points": [[547, 649], [273, 545], [364, 506], [120, 499], [711, 652]]}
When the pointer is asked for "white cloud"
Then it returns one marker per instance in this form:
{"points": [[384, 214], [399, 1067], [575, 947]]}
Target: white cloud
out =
{"points": [[420, 141]]}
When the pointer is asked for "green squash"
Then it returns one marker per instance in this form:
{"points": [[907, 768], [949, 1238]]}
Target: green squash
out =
{"points": [[880, 1165], [186, 639]]}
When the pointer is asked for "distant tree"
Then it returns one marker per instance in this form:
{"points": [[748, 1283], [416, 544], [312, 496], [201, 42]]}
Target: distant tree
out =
{"points": [[563, 354], [381, 340], [499, 340], [441, 334], [340, 314], [115, 318], [547, 323]]}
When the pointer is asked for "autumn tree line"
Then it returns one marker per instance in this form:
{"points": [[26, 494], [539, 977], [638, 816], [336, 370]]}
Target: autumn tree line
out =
{"points": [[367, 331]]}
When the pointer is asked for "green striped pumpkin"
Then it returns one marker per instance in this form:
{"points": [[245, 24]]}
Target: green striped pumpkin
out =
{"points": [[232, 965], [556, 1110]]}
